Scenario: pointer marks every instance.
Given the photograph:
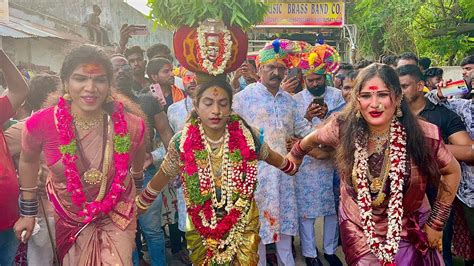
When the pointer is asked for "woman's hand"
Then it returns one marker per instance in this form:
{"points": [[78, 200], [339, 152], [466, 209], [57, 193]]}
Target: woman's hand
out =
{"points": [[24, 224], [296, 161], [435, 238]]}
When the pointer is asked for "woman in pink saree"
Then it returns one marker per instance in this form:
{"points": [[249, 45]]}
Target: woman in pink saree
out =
{"points": [[386, 158], [89, 142]]}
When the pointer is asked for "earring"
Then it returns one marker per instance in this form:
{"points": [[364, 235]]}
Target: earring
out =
{"points": [[399, 112], [67, 97], [358, 115], [109, 99]]}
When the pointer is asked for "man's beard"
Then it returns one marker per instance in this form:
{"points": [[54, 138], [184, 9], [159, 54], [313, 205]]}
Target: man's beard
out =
{"points": [[317, 90]]}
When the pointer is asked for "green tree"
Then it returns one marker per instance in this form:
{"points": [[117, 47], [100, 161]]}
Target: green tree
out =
{"points": [[440, 29], [382, 25]]}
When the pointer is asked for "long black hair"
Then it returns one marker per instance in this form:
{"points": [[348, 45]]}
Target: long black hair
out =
{"points": [[352, 128]]}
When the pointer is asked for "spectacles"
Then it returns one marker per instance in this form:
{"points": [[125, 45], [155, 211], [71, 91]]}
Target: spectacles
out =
{"points": [[125, 67]]}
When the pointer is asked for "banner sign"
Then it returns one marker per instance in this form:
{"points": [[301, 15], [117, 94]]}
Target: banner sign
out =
{"points": [[296, 15]]}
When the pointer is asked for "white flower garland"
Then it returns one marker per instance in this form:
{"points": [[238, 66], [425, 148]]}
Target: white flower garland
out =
{"points": [[385, 251], [227, 247], [207, 65]]}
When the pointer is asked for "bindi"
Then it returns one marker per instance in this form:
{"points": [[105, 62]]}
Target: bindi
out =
{"points": [[215, 92], [373, 88], [92, 69]]}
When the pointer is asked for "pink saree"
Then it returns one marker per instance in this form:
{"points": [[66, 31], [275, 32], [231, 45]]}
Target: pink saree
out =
{"points": [[413, 248], [109, 237]]}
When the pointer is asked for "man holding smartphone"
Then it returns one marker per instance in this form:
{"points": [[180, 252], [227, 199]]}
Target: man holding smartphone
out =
{"points": [[463, 237], [244, 76], [314, 180]]}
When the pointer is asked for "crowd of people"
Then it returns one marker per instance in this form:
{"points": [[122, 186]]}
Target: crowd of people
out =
{"points": [[124, 154]]}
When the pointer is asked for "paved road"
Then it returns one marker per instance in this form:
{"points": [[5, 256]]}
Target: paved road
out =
{"points": [[299, 257]]}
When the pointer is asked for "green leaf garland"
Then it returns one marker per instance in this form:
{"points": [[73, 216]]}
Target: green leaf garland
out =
{"points": [[122, 143], [68, 148]]}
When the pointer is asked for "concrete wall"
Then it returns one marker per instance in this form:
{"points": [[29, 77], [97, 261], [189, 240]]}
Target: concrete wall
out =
{"points": [[38, 51], [114, 14]]}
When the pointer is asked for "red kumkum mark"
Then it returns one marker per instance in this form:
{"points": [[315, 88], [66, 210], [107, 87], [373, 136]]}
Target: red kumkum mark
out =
{"points": [[93, 69], [373, 88], [215, 92]]}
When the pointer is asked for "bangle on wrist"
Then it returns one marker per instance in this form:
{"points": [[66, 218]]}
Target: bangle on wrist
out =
{"points": [[135, 173], [297, 151], [288, 167], [439, 215], [28, 207]]}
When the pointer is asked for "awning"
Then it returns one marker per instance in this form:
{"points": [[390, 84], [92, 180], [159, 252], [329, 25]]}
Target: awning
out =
{"points": [[19, 28]]}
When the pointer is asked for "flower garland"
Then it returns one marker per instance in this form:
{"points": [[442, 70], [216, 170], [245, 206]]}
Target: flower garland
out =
{"points": [[68, 149], [385, 251], [239, 178], [225, 45]]}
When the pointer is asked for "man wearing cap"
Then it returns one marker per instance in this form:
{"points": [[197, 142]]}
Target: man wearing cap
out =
{"points": [[314, 180], [265, 106]]}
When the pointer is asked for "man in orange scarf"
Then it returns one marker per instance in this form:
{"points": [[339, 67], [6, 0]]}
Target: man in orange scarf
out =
{"points": [[160, 71]]}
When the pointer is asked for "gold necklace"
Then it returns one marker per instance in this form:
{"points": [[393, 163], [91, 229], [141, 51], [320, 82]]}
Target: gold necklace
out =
{"points": [[105, 172], [215, 157], [215, 142], [87, 123], [377, 184], [93, 176], [379, 139]]}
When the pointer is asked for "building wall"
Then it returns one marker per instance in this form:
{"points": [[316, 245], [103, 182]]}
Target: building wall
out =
{"points": [[114, 14], [38, 51]]}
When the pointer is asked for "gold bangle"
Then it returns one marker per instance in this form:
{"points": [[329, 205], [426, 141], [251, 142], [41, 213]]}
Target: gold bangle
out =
{"points": [[140, 204], [135, 173], [29, 189], [151, 190]]}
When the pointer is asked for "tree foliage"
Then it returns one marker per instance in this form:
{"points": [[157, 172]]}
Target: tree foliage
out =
{"points": [[440, 29], [176, 13]]}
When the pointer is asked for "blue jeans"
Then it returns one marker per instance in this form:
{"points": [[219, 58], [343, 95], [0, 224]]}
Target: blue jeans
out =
{"points": [[150, 223], [8, 247]]}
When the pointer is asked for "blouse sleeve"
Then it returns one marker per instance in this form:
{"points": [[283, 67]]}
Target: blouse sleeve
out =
{"points": [[443, 155], [170, 165], [434, 138], [31, 136], [328, 133]]}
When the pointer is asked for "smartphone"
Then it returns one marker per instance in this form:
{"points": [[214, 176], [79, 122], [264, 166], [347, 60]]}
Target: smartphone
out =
{"points": [[252, 62], [157, 92], [318, 101], [293, 72], [141, 30], [455, 88]]}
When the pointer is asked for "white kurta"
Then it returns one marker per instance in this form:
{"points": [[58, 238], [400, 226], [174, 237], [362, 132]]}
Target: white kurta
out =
{"points": [[279, 118], [314, 180]]}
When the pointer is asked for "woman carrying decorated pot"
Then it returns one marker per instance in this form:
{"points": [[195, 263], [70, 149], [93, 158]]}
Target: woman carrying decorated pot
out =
{"points": [[94, 149], [216, 156], [387, 157]]}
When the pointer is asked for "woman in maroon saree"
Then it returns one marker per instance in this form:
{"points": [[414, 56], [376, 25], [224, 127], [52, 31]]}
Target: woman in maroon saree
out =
{"points": [[89, 143], [387, 157]]}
